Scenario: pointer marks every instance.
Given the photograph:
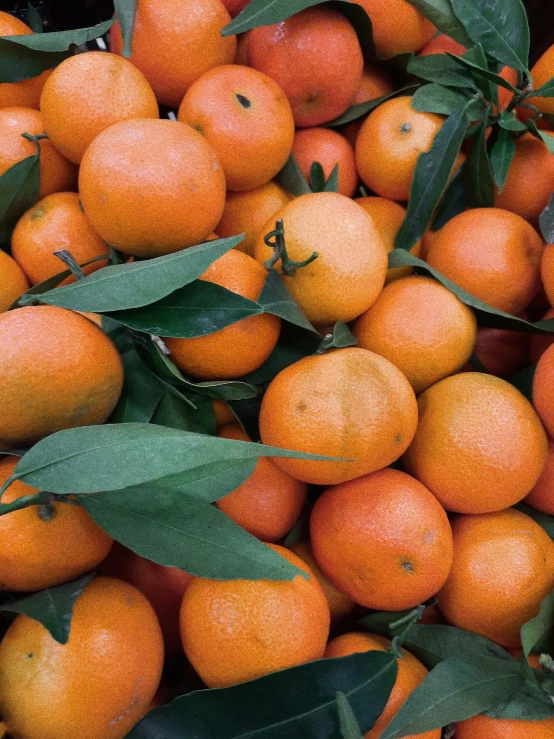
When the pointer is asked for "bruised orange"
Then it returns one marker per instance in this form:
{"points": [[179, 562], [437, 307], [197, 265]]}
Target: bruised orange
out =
{"points": [[25, 93], [398, 27], [331, 150], [13, 282]]}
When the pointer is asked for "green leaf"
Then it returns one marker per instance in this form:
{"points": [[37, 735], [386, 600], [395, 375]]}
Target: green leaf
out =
{"points": [[19, 186], [500, 26], [510, 122], [434, 643], [543, 519], [440, 13], [342, 336], [13, 452], [127, 286], [541, 135], [502, 154], [141, 394], [441, 68], [523, 381], [52, 607], [292, 179], [529, 703], [453, 201], [116, 456], [454, 690], [349, 726], [488, 316], [431, 177], [317, 177], [276, 299], [174, 411], [546, 221], [189, 534], [27, 56], [361, 109], [536, 634], [294, 704], [332, 184], [481, 189], [480, 71], [544, 91], [435, 98], [361, 23], [34, 19], [125, 12]]}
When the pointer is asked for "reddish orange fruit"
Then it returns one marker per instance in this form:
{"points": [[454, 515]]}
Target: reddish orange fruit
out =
{"points": [[547, 272], [330, 149], [175, 42], [503, 567], [223, 414], [398, 28], [13, 282], [543, 395], [367, 413], [375, 83], [502, 353], [498, 728], [26, 93], [541, 342], [237, 630], [541, 73], [541, 496], [315, 57], [441, 44], [235, 6], [110, 668], [151, 187]]}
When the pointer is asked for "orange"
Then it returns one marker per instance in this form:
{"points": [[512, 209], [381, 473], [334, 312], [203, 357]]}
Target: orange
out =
{"points": [[175, 42], [503, 568], [42, 548], [56, 173], [237, 349], [541, 342], [398, 28], [238, 630], [479, 445], [542, 72], [315, 57], [349, 403], [497, 728], [441, 44], [246, 118], [223, 414], [59, 370], [151, 187], [55, 222], [109, 669], [375, 83], [25, 93], [530, 180], [547, 272], [235, 6], [502, 353], [340, 605], [506, 274], [13, 282], [421, 327], [163, 586], [389, 144], [543, 395], [541, 496], [349, 272], [241, 55], [248, 212], [410, 674], [388, 217], [330, 149], [89, 92], [383, 539], [269, 502]]}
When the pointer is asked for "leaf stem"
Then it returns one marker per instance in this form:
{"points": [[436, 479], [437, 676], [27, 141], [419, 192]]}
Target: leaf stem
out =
{"points": [[20, 503], [68, 259], [288, 265], [7, 484]]}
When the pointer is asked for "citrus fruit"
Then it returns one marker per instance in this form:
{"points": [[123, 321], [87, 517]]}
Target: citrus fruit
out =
{"points": [[547, 272], [541, 496], [331, 150], [479, 445], [506, 274], [89, 92], [349, 272], [58, 370], [175, 42], [340, 605], [163, 586], [375, 83], [441, 44], [543, 395], [502, 569], [55, 222], [13, 282], [237, 630], [410, 674], [151, 187], [541, 342], [350, 404], [389, 144], [315, 57], [43, 546], [56, 172], [502, 353], [237, 349], [110, 668], [388, 217], [398, 28], [498, 728], [246, 118], [269, 502], [382, 539], [542, 72], [248, 212], [234, 6], [25, 93], [223, 414], [421, 327]]}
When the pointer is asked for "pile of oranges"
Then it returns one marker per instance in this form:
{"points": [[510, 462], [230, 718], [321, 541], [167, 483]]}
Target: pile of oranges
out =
{"points": [[434, 490]]}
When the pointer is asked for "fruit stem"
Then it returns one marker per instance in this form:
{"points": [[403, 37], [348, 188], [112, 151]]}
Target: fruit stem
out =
{"points": [[408, 622], [46, 510], [288, 265], [35, 139], [68, 259]]}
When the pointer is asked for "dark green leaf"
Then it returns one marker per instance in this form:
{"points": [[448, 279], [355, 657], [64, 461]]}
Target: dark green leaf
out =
{"points": [[361, 22], [478, 70], [454, 690], [317, 177], [529, 703], [379, 622], [546, 221], [52, 607], [523, 380], [453, 201], [541, 135], [536, 634], [125, 12], [500, 26], [175, 411], [361, 109], [441, 14], [434, 643], [435, 98], [543, 519], [342, 336], [34, 20], [291, 704], [12, 452], [510, 122], [44, 286], [19, 186], [142, 392], [292, 179], [545, 91], [127, 286], [27, 56], [476, 56], [247, 413], [276, 299], [479, 170], [442, 69], [349, 727], [433, 170], [502, 154], [332, 184]]}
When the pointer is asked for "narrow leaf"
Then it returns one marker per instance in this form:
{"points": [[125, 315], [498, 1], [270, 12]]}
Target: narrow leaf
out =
{"points": [[481, 190], [536, 634], [453, 202], [317, 177], [502, 154], [441, 68], [480, 71], [292, 179], [19, 186], [349, 727], [34, 19], [435, 98], [361, 109], [441, 14], [510, 122], [545, 91], [125, 12], [434, 643], [332, 184], [276, 299], [141, 394], [546, 221]]}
